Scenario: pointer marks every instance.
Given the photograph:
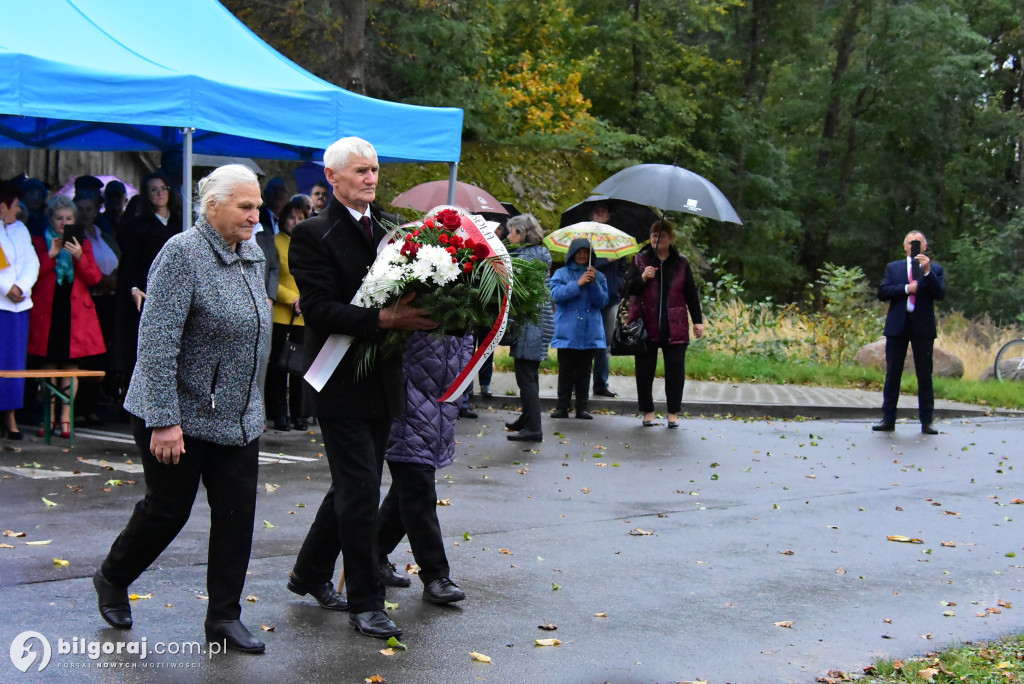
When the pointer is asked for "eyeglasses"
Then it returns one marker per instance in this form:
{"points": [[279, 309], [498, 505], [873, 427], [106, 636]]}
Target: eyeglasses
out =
{"points": [[160, 188]]}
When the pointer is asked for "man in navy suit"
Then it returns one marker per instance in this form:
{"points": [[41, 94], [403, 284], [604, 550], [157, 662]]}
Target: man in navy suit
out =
{"points": [[911, 286]]}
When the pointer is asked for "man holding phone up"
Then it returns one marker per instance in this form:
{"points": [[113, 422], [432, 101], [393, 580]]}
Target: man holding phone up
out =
{"points": [[911, 286]]}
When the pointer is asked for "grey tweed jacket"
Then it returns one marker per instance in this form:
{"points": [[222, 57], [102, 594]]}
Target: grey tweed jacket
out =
{"points": [[204, 324]]}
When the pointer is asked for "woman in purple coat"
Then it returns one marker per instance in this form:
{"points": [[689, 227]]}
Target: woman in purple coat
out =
{"points": [[421, 441], [662, 291]]}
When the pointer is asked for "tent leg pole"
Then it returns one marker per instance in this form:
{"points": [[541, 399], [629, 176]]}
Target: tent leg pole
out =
{"points": [[186, 178], [453, 173]]}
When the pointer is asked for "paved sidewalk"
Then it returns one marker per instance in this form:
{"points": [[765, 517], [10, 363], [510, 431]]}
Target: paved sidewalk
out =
{"points": [[752, 400]]}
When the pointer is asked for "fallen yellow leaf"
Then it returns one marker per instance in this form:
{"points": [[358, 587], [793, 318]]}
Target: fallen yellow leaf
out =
{"points": [[547, 642], [601, 615], [375, 679], [785, 623], [480, 657], [44, 542], [267, 628], [639, 532], [387, 651], [444, 502], [7, 546], [12, 533], [137, 597], [507, 552], [905, 540], [252, 598], [60, 562], [928, 673]]}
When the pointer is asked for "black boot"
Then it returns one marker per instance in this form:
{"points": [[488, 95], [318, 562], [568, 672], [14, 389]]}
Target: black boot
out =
{"points": [[234, 635], [113, 602]]}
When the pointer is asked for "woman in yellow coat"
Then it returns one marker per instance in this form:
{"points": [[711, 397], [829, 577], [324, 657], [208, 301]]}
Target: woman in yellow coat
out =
{"points": [[284, 390]]}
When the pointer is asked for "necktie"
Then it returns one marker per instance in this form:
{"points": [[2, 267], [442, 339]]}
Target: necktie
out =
{"points": [[365, 222], [910, 277]]}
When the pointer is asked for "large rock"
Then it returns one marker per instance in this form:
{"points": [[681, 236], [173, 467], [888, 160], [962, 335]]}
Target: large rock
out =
{"points": [[944, 364]]}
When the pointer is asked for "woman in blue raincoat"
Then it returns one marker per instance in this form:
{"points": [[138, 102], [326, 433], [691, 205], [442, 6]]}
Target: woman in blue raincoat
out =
{"points": [[578, 291]]}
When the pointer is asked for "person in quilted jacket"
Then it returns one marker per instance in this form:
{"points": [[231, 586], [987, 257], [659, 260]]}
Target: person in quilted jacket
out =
{"points": [[421, 441]]}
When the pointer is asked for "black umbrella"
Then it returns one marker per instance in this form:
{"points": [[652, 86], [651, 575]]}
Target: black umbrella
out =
{"points": [[629, 217], [670, 188]]}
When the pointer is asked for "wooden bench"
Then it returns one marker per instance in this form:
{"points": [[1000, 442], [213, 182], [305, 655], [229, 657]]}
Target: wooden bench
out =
{"points": [[52, 391]]}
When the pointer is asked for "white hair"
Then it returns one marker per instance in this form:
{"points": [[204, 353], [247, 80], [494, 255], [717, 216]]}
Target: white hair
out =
{"points": [[221, 184], [337, 155]]}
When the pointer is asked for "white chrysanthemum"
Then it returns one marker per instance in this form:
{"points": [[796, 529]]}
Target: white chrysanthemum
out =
{"points": [[442, 270]]}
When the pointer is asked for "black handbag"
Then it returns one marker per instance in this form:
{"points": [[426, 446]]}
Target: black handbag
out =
{"points": [[290, 357], [629, 338]]}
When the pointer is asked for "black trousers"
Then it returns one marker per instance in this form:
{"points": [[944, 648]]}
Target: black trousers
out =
{"points": [[528, 380], [574, 367], [410, 507], [675, 376], [346, 521], [283, 391], [230, 476], [895, 356]]}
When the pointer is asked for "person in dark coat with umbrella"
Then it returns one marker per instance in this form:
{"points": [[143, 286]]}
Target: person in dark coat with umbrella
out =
{"points": [[662, 291]]}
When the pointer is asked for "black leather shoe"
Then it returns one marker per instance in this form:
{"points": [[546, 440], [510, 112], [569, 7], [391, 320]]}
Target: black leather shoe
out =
{"points": [[113, 601], [282, 425], [884, 426], [515, 426], [928, 429], [390, 577], [442, 591], [467, 413], [560, 413], [584, 415], [605, 393], [300, 424], [526, 436], [234, 635], [324, 594], [375, 623]]}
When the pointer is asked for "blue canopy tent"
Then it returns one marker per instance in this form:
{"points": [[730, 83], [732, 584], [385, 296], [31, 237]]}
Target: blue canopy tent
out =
{"points": [[130, 75]]}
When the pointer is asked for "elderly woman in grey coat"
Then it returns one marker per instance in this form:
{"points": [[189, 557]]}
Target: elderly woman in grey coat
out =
{"points": [[532, 346], [197, 407]]}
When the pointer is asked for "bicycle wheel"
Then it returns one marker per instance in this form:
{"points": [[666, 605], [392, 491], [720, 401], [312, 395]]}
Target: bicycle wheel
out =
{"points": [[1010, 361]]}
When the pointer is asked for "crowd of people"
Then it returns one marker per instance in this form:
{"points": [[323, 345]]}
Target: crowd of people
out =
{"points": [[103, 282], [196, 327]]}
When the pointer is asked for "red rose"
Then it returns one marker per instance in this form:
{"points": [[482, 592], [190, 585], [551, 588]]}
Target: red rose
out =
{"points": [[480, 249], [474, 258], [429, 223], [416, 232], [443, 238], [409, 249], [457, 241], [451, 250], [467, 268], [449, 218]]}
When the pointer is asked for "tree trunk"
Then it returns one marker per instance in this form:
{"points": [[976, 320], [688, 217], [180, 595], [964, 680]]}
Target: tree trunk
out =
{"points": [[352, 51]]}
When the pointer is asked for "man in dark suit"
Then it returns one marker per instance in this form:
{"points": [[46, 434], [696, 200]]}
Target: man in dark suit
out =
{"points": [[911, 286], [329, 256]]}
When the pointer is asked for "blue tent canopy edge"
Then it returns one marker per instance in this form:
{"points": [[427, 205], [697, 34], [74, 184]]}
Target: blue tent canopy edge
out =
{"points": [[119, 75]]}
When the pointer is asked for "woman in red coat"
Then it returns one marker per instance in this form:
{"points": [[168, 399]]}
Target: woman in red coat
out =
{"points": [[63, 326]]}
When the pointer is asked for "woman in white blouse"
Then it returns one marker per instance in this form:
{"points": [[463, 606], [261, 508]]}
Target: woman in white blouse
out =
{"points": [[19, 268]]}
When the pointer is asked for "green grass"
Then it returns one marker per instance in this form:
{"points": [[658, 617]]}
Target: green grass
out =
{"points": [[991, 662], [718, 367]]}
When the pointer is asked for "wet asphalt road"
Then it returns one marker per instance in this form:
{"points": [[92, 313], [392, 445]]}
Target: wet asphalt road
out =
{"points": [[660, 556]]}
